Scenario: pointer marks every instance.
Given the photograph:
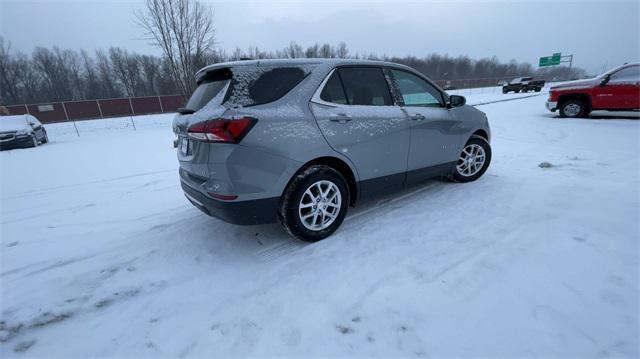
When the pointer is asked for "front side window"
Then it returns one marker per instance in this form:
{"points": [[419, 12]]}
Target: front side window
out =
{"points": [[628, 74], [365, 86], [416, 91]]}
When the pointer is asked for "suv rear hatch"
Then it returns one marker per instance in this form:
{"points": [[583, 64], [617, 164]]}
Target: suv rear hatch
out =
{"points": [[206, 121], [205, 103]]}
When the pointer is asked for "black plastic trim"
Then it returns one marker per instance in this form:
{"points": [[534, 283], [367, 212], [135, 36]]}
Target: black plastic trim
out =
{"points": [[259, 211], [376, 187]]}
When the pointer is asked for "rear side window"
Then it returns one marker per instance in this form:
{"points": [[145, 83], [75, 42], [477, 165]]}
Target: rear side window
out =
{"points": [[246, 86], [253, 86], [365, 86], [333, 90]]}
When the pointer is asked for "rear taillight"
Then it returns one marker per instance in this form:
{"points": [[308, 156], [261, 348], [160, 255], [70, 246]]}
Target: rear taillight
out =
{"points": [[228, 130]]}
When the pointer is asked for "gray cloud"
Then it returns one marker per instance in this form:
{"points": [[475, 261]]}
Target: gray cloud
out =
{"points": [[599, 33]]}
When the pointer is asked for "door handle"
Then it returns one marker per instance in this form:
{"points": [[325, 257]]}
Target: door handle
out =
{"points": [[340, 117], [417, 117]]}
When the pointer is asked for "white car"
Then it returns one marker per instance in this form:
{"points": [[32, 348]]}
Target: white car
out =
{"points": [[21, 131]]}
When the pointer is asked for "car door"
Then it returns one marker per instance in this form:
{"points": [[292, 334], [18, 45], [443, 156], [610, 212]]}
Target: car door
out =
{"points": [[434, 130], [356, 113], [621, 91], [626, 86]]}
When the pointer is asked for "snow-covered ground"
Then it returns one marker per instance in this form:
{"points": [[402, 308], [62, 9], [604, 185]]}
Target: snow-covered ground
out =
{"points": [[103, 256]]}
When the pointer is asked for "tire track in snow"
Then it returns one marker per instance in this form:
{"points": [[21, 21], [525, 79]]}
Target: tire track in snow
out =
{"points": [[50, 189]]}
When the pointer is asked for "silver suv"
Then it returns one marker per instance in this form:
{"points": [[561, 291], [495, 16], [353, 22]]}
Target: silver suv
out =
{"points": [[300, 141]]}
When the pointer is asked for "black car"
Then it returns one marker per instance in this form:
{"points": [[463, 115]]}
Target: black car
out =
{"points": [[21, 131], [524, 84]]}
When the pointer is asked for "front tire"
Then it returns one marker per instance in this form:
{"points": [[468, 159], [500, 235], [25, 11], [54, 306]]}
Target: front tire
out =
{"points": [[473, 161], [34, 141], [573, 109], [314, 204]]}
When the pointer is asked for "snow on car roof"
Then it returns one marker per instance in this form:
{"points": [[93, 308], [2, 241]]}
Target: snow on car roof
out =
{"points": [[300, 62], [13, 123]]}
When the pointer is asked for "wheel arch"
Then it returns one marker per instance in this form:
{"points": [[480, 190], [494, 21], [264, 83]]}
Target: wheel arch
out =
{"points": [[481, 133], [339, 165], [585, 98]]}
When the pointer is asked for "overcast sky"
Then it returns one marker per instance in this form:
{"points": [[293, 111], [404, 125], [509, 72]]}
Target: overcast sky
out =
{"points": [[600, 34]]}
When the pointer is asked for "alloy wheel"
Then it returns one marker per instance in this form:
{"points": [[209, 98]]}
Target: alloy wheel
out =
{"points": [[471, 160], [320, 205]]}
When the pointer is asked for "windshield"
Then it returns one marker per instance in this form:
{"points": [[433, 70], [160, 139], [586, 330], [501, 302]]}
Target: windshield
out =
{"points": [[13, 123]]}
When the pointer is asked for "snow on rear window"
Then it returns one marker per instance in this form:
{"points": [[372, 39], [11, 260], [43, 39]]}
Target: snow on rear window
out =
{"points": [[252, 86]]}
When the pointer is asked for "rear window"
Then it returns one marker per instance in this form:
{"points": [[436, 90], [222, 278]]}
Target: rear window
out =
{"points": [[248, 86], [209, 87]]}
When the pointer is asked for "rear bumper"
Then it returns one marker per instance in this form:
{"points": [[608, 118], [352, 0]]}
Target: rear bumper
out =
{"points": [[552, 105], [260, 211]]}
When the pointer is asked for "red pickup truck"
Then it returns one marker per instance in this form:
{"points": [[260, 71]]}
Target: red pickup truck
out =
{"points": [[615, 90]]}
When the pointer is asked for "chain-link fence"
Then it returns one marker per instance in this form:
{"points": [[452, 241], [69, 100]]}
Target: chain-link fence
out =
{"points": [[65, 111]]}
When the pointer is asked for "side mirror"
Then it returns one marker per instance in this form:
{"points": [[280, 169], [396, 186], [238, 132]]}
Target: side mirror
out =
{"points": [[605, 80], [457, 101]]}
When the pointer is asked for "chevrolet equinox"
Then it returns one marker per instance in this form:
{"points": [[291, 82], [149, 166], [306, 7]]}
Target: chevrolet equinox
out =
{"points": [[299, 141]]}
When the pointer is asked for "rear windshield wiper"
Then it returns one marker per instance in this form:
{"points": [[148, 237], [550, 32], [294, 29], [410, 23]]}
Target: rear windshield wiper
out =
{"points": [[185, 111]]}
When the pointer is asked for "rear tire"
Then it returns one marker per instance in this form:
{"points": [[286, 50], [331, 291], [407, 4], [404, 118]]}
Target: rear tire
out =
{"points": [[473, 161], [308, 214], [573, 109]]}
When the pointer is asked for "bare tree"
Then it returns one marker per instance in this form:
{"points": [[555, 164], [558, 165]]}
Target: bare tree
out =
{"points": [[294, 51], [326, 51], [151, 71], [342, 51], [127, 70], [183, 30], [312, 51], [51, 64], [56, 74], [105, 75], [9, 74]]}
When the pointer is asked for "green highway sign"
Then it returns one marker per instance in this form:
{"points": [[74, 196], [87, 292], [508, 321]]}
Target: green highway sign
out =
{"points": [[550, 60]]}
